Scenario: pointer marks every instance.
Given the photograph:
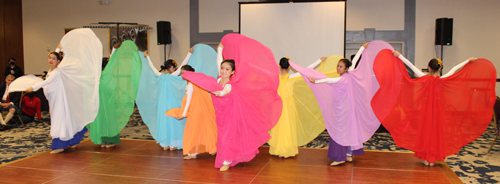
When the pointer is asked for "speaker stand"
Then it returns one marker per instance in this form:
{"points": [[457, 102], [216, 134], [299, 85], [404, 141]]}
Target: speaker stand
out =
{"points": [[165, 51], [441, 57]]}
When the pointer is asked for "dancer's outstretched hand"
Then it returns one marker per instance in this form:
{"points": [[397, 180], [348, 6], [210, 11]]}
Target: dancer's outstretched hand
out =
{"points": [[29, 90], [365, 45], [216, 93], [396, 53], [312, 80], [323, 58], [117, 45], [472, 59]]}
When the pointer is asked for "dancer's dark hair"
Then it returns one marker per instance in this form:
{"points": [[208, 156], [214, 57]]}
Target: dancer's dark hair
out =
{"points": [[231, 63], [284, 62], [435, 64], [59, 55], [346, 62], [187, 68], [168, 63]]}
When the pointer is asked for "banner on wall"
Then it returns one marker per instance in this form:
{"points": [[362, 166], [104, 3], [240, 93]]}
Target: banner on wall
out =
{"points": [[138, 34], [66, 30]]}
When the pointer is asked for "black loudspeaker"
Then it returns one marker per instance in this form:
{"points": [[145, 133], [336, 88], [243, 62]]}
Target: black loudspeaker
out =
{"points": [[444, 31], [164, 32]]}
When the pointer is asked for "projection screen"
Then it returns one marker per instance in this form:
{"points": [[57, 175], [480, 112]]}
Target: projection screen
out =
{"points": [[303, 31]]}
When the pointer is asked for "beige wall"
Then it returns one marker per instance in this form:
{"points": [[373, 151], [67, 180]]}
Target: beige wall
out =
{"points": [[45, 20], [476, 31], [219, 15], [379, 14], [476, 27]]}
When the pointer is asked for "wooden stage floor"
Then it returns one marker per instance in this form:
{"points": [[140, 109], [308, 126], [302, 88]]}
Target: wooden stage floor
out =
{"points": [[139, 161]]}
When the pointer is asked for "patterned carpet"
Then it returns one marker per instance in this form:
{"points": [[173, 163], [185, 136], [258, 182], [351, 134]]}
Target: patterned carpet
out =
{"points": [[472, 164]]}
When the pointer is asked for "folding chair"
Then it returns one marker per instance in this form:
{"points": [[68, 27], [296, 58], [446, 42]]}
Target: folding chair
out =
{"points": [[20, 110]]}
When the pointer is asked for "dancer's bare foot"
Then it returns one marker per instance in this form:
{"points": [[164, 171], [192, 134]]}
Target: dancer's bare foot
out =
{"points": [[335, 163], [224, 168], [189, 157], [173, 148], [110, 145], [57, 151], [166, 148], [426, 163], [74, 146], [349, 159]]}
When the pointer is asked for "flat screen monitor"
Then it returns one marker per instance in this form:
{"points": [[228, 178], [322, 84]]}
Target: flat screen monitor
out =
{"points": [[302, 31]]}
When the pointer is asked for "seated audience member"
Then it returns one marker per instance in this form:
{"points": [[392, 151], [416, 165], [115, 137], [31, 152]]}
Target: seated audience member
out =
{"points": [[9, 102], [31, 106], [13, 69]]}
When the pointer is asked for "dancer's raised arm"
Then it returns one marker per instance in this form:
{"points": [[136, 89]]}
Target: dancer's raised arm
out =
{"points": [[157, 73], [356, 57], [454, 69], [313, 65], [409, 64], [219, 56], [186, 60]]}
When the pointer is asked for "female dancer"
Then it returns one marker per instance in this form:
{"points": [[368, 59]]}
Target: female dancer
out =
{"points": [[338, 153], [200, 135], [301, 120], [72, 87], [117, 93], [431, 115], [344, 102], [159, 92], [246, 84]]}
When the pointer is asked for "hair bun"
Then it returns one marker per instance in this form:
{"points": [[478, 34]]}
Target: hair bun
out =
{"points": [[174, 63], [284, 62], [439, 62]]}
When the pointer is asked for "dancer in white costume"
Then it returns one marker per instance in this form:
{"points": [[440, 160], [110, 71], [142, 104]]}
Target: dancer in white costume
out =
{"points": [[72, 87]]}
